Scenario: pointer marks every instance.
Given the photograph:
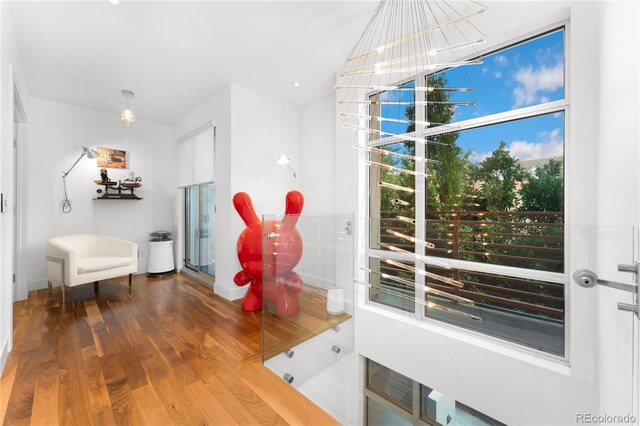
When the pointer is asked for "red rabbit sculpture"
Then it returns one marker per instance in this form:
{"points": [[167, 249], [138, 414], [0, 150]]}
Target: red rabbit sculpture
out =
{"points": [[283, 250]]}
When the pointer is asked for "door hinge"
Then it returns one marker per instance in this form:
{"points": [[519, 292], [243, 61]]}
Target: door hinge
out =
{"points": [[14, 278]]}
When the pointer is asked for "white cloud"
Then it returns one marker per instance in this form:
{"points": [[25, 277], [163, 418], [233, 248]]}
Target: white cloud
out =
{"points": [[497, 74], [544, 99], [501, 60], [485, 70], [533, 81], [557, 114], [550, 144], [523, 150]]}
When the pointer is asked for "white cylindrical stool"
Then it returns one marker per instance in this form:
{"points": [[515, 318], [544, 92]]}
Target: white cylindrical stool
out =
{"points": [[160, 261]]}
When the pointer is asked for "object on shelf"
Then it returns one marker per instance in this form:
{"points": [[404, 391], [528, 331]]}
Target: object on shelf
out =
{"points": [[114, 190], [132, 179], [104, 176], [335, 300], [283, 246], [160, 262]]}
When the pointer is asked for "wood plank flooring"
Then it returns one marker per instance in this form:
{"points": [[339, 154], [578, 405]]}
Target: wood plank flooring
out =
{"points": [[285, 333], [167, 352]]}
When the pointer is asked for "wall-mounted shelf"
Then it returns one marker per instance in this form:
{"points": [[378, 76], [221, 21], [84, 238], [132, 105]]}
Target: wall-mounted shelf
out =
{"points": [[115, 191], [118, 197]]}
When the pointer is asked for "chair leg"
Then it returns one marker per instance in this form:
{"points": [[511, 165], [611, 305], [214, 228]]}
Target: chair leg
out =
{"points": [[96, 290], [63, 293], [130, 278], [50, 287]]}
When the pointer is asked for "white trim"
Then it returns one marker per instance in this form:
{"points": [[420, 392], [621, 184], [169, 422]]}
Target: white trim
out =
{"points": [[498, 345], [317, 281], [3, 359], [204, 127], [197, 184], [501, 117], [38, 284], [420, 201], [567, 167], [507, 271], [21, 185], [230, 293]]}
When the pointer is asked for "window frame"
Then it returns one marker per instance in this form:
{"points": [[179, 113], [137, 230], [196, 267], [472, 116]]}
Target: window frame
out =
{"points": [[415, 415], [562, 105]]}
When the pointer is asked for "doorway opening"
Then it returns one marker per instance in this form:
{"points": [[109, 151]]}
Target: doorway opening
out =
{"points": [[18, 210], [200, 208]]}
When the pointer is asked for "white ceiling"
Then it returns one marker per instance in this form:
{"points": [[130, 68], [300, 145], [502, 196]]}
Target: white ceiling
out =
{"points": [[175, 55]]}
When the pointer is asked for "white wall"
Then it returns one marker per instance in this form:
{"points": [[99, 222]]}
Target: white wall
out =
{"points": [[252, 130], [316, 166], [10, 70], [56, 134]]}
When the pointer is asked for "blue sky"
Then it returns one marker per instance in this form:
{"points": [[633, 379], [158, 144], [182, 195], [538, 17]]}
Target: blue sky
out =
{"points": [[527, 74]]}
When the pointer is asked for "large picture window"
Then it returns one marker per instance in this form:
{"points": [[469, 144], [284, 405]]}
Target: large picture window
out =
{"points": [[490, 214]]}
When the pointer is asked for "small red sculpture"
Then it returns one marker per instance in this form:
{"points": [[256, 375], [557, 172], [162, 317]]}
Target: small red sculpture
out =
{"points": [[283, 250]]}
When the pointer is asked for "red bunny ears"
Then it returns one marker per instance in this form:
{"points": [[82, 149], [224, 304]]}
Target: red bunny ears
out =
{"points": [[244, 207], [293, 208]]}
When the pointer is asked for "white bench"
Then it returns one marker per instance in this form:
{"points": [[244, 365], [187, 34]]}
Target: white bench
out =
{"points": [[80, 259]]}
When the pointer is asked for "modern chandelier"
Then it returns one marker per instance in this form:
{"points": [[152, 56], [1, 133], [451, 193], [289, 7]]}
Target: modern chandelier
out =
{"points": [[405, 39]]}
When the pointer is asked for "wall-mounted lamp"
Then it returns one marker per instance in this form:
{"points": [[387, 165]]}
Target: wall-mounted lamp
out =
{"points": [[127, 116], [66, 202], [285, 161]]}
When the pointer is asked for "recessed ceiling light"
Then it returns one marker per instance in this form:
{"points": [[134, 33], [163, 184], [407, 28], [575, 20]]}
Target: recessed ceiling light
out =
{"points": [[114, 2], [295, 84]]}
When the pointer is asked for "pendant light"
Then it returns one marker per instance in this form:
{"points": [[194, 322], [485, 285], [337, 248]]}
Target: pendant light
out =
{"points": [[404, 39], [127, 116]]}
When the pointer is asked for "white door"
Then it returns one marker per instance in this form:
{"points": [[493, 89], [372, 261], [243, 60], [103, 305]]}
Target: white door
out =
{"points": [[603, 313]]}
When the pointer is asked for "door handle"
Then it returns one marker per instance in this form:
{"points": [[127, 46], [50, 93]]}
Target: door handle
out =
{"points": [[587, 278], [629, 307]]}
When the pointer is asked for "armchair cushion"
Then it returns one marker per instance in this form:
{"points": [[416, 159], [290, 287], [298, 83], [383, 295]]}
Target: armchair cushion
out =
{"points": [[101, 263], [79, 259]]}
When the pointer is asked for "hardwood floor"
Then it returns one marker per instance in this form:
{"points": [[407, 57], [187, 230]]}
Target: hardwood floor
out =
{"points": [[169, 352], [285, 333]]}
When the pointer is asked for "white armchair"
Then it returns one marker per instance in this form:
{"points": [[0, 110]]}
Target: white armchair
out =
{"points": [[79, 259]]}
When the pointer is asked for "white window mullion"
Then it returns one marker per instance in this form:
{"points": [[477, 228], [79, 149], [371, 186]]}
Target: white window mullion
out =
{"points": [[421, 150]]}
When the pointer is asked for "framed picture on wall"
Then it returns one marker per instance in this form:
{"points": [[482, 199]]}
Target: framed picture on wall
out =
{"points": [[111, 158]]}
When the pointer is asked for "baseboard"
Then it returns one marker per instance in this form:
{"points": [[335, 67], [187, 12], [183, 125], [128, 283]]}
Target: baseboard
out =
{"points": [[38, 284], [43, 283], [317, 281], [233, 293], [3, 356]]}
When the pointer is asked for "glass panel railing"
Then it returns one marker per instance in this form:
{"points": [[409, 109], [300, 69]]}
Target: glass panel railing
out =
{"points": [[307, 294]]}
